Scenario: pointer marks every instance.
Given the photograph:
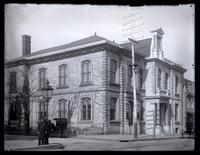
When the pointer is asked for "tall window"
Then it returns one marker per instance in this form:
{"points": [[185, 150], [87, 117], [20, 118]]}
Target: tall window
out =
{"points": [[155, 113], [86, 72], [141, 74], [129, 75], [113, 101], [159, 78], [113, 71], [176, 112], [62, 75], [159, 42], [42, 77], [129, 113], [166, 81], [86, 108], [13, 86], [176, 84], [62, 109], [42, 110]]}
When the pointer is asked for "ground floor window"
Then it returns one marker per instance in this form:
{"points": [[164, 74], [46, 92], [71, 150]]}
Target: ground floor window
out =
{"points": [[113, 101], [62, 108], [42, 110], [86, 108], [129, 113]]}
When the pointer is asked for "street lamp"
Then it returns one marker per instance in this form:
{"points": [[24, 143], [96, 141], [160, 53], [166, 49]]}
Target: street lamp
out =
{"points": [[134, 90], [47, 92]]}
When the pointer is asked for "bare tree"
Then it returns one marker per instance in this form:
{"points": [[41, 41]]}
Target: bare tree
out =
{"points": [[25, 94]]}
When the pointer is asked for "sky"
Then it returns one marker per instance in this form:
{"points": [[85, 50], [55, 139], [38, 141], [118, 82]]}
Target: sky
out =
{"points": [[52, 25]]}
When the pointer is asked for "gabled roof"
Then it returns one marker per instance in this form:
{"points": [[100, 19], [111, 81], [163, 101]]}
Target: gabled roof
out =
{"points": [[83, 41], [142, 47], [79, 44]]}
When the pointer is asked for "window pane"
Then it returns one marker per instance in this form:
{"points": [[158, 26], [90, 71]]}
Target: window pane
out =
{"points": [[89, 111], [112, 108]]}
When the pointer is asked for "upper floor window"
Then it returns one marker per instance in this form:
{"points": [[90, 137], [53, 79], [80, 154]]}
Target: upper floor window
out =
{"points": [[129, 75], [62, 78], [140, 76], [42, 77], [13, 85], [42, 110], [176, 112], [113, 102], [86, 72], [176, 84], [159, 42], [62, 109], [86, 108], [159, 78], [113, 71], [166, 81]]}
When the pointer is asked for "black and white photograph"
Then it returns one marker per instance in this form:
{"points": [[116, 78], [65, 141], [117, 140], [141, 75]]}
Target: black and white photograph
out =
{"points": [[99, 77]]}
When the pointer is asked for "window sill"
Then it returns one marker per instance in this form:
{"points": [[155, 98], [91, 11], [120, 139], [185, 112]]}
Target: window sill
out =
{"points": [[177, 123], [85, 84], [62, 87], [177, 95], [85, 121], [114, 122], [114, 84]]}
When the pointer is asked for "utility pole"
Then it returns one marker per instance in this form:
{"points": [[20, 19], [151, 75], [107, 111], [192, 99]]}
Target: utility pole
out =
{"points": [[134, 91]]}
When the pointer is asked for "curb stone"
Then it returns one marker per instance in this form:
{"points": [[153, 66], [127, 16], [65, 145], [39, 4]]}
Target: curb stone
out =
{"points": [[39, 148]]}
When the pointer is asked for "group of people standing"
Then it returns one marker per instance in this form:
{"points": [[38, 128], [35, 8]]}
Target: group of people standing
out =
{"points": [[44, 132]]}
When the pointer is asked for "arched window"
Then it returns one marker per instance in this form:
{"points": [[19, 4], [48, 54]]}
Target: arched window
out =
{"points": [[62, 108], [42, 110], [159, 78], [13, 84], [176, 112], [113, 71], [42, 77], [176, 84], [86, 109], [86, 72], [62, 78], [113, 102], [166, 81]]}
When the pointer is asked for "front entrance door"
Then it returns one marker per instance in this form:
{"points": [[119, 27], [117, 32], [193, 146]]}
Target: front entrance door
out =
{"points": [[164, 118]]}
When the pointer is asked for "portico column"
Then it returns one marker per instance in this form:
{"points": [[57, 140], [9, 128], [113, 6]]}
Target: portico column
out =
{"points": [[126, 106], [121, 96], [158, 128]]}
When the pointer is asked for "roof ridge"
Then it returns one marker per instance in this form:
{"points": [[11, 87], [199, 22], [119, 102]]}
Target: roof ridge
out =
{"points": [[58, 47]]}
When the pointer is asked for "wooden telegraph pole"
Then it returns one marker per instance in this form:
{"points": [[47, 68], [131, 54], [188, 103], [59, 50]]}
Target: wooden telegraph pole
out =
{"points": [[134, 91]]}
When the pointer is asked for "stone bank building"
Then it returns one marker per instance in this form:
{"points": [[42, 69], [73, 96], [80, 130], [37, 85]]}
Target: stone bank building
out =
{"points": [[96, 74]]}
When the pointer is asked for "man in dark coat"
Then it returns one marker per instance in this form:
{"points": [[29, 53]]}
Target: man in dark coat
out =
{"points": [[47, 131], [41, 133]]}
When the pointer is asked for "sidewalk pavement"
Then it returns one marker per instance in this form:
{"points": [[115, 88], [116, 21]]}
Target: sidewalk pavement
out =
{"points": [[26, 144], [125, 138]]}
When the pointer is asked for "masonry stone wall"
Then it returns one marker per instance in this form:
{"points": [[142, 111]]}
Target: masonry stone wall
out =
{"points": [[94, 91], [19, 84]]}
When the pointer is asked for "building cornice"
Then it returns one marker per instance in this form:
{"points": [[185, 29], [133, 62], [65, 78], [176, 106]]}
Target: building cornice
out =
{"points": [[171, 66]]}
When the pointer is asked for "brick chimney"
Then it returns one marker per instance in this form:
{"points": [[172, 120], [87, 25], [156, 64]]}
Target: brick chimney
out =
{"points": [[26, 45]]}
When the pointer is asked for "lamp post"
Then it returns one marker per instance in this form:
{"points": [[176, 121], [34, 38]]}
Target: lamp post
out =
{"points": [[47, 92], [134, 90]]}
